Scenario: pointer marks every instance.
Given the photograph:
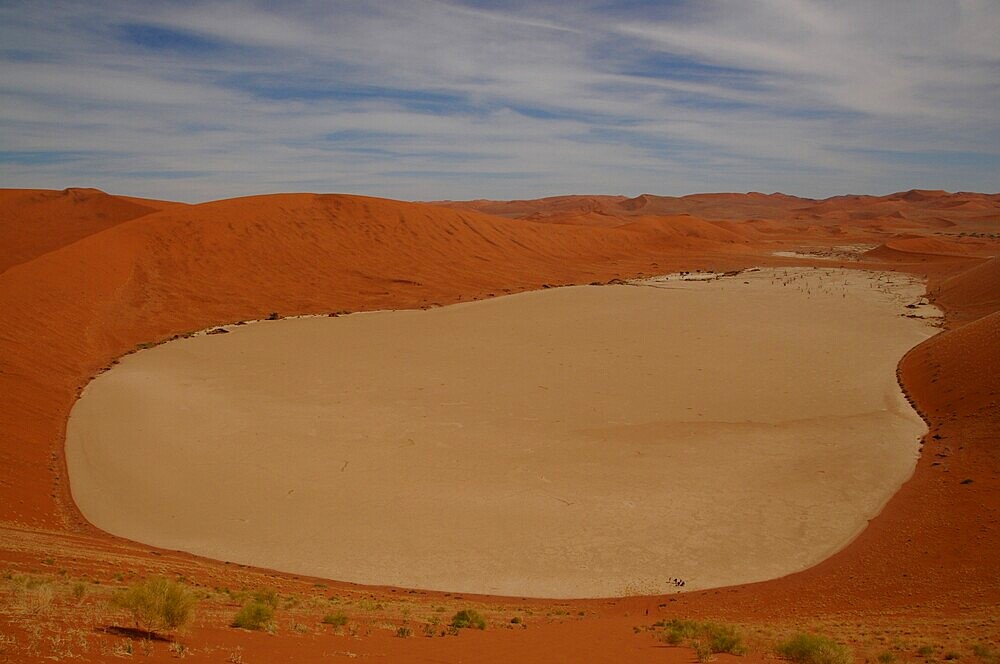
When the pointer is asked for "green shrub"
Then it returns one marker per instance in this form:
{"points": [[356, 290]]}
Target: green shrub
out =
{"points": [[255, 615], [885, 657], [266, 596], [723, 638], [677, 631], [403, 632], [708, 636], [158, 604], [702, 651], [805, 648], [338, 619], [468, 618]]}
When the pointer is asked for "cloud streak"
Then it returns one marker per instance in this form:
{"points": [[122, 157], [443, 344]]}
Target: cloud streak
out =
{"points": [[432, 99]]}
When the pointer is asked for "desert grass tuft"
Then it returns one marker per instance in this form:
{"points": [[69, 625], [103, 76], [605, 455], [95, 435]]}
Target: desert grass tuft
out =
{"points": [[985, 654], [255, 615], [157, 604], [468, 619], [805, 648], [338, 619], [706, 638]]}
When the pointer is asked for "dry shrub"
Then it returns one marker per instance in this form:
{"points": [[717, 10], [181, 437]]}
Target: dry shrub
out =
{"points": [[804, 648], [468, 619], [158, 604], [254, 615]]}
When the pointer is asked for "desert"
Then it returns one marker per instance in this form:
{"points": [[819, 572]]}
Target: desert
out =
{"points": [[475, 332], [912, 545]]}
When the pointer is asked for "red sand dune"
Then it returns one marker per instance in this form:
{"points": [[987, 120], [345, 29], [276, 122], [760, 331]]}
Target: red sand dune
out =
{"points": [[540, 208], [975, 292], [94, 275], [885, 216], [36, 221]]}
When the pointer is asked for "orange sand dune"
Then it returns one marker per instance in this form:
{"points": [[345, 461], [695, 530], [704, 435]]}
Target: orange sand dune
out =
{"points": [[975, 292], [886, 215], [96, 275], [923, 250], [36, 221], [710, 206], [554, 206], [687, 230]]}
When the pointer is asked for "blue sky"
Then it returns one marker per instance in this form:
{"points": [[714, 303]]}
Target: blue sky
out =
{"points": [[430, 99]]}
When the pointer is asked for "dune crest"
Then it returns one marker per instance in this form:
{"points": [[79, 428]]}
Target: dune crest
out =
{"points": [[36, 221]]}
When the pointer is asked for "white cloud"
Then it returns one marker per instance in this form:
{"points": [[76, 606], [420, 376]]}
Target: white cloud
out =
{"points": [[429, 99]]}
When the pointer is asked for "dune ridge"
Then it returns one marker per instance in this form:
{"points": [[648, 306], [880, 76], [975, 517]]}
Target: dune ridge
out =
{"points": [[38, 220]]}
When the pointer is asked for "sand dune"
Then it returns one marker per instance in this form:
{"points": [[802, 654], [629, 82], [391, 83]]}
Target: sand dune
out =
{"points": [[36, 221], [975, 292], [905, 210], [72, 306]]}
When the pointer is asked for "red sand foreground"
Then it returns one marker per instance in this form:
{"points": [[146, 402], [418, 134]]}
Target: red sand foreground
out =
{"points": [[86, 277]]}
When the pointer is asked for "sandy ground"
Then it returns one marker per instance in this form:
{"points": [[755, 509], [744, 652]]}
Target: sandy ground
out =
{"points": [[584, 441]]}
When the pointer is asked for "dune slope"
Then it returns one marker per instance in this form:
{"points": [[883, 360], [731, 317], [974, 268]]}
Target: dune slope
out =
{"points": [[33, 222]]}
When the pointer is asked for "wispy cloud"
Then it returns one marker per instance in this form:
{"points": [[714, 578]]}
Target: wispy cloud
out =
{"points": [[432, 99]]}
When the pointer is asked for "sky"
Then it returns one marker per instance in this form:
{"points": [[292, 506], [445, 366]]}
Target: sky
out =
{"points": [[442, 99]]}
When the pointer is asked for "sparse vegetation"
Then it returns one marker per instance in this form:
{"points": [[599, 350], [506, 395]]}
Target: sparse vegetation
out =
{"points": [[36, 598], [266, 596], [158, 604], [724, 638], [468, 619], [403, 632], [255, 615], [677, 631], [705, 637], [702, 651], [78, 590], [368, 605], [804, 648], [431, 626], [338, 619], [984, 653]]}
